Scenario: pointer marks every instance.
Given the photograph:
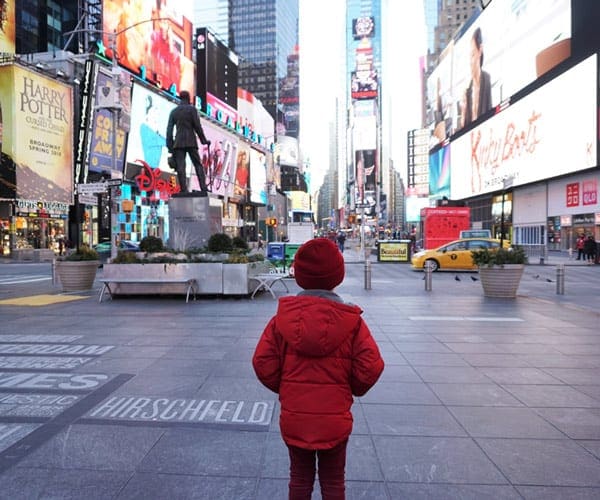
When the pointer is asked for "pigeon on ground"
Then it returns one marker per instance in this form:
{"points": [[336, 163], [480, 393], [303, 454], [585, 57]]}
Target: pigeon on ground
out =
{"points": [[456, 278], [474, 278], [536, 277], [549, 280]]}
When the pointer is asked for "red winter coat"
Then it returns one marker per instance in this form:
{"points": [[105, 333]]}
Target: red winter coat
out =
{"points": [[316, 353]]}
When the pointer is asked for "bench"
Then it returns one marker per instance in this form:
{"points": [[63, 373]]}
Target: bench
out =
{"points": [[111, 284], [267, 280]]}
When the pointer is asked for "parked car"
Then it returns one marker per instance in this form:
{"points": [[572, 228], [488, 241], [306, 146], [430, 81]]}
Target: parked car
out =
{"points": [[104, 248], [454, 255]]}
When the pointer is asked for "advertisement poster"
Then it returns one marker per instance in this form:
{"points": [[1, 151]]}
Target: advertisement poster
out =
{"points": [[508, 46], [219, 161], [242, 174], [154, 40], [258, 177], [101, 159], [393, 251], [148, 131], [7, 26], [526, 142], [41, 152]]}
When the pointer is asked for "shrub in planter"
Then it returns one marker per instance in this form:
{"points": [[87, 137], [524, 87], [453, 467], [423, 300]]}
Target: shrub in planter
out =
{"points": [[126, 258], [151, 244], [497, 257], [83, 253], [220, 242], [77, 270], [240, 243]]}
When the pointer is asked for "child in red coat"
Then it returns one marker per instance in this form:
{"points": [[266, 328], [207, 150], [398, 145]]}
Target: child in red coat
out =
{"points": [[317, 353]]}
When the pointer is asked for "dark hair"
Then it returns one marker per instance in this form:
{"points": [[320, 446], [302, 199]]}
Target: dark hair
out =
{"points": [[184, 96], [478, 39]]}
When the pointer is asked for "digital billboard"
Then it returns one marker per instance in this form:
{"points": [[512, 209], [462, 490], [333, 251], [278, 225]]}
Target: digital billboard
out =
{"points": [[7, 26], [148, 131], [153, 40], [216, 72], [508, 46], [550, 132], [218, 161], [242, 173], [258, 177], [439, 173]]}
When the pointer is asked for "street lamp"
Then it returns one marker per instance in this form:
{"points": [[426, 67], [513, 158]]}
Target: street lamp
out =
{"points": [[507, 183]]}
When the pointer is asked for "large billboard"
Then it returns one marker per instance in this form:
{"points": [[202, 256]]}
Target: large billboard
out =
{"points": [[154, 40], [550, 132], [7, 26], [37, 136], [216, 73], [508, 46], [219, 161], [147, 135]]}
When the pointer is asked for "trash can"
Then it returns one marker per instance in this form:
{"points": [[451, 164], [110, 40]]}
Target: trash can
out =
{"points": [[275, 251]]}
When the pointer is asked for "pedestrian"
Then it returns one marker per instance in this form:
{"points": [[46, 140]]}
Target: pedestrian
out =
{"points": [[579, 244], [185, 121], [341, 240], [590, 250], [317, 352], [260, 241]]}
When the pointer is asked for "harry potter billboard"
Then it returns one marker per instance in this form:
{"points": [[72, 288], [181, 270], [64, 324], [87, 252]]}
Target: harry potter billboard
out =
{"points": [[37, 161]]}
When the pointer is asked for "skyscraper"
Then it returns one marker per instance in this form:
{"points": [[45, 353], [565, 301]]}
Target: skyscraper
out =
{"points": [[263, 33]]}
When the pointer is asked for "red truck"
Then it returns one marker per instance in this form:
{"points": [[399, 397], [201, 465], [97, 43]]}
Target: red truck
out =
{"points": [[441, 225]]}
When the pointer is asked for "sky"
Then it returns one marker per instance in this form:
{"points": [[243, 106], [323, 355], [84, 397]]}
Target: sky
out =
{"points": [[322, 77]]}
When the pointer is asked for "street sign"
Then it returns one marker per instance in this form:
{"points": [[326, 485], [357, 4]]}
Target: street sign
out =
{"points": [[92, 188], [113, 182], [88, 199]]}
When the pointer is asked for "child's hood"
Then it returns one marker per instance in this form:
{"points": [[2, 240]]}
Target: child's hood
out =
{"points": [[316, 326]]}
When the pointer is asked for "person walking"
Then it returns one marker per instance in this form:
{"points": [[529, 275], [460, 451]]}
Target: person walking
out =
{"points": [[317, 352], [589, 249], [184, 120], [579, 244], [341, 240]]}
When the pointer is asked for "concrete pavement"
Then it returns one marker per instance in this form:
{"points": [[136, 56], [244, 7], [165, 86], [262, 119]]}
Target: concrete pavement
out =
{"points": [[151, 397]]}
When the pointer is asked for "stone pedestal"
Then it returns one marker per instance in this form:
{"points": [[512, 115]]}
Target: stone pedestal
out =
{"points": [[193, 219]]}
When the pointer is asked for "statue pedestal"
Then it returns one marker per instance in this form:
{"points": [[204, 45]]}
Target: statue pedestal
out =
{"points": [[193, 218]]}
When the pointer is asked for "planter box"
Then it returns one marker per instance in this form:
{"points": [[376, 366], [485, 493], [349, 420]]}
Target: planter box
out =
{"points": [[214, 278], [76, 276], [236, 277], [501, 281]]}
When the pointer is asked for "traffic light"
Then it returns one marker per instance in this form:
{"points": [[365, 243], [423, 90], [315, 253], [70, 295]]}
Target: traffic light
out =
{"points": [[271, 221]]}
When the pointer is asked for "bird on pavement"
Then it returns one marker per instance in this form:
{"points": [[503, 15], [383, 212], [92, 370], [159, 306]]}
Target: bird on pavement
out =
{"points": [[474, 278], [456, 278], [549, 280]]}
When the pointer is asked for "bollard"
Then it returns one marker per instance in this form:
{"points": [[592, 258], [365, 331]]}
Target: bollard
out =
{"points": [[367, 274], [560, 279], [54, 271], [428, 275]]}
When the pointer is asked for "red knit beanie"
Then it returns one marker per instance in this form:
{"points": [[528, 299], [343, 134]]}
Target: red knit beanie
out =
{"points": [[319, 264]]}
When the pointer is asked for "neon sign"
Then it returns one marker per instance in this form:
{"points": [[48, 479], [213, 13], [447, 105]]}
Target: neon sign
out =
{"points": [[150, 180]]}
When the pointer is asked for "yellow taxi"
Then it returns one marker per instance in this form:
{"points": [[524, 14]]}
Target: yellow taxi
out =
{"points": [[454, 255]]}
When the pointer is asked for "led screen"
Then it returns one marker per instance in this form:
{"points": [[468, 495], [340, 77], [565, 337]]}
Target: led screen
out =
{"points": [[551, 132], [7, 26], [258, 177], [154, 40], [508, 46]]}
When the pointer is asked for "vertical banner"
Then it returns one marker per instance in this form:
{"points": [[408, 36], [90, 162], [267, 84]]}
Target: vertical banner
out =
{"points": [[43, 117], [7, 26]]}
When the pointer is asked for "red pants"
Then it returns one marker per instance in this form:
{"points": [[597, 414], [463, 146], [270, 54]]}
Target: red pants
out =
{"points": [[331, 472]]}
